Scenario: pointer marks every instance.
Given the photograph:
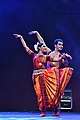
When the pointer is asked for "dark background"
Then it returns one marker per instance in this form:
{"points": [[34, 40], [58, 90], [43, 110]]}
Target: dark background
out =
{"points": [[53, 19]]}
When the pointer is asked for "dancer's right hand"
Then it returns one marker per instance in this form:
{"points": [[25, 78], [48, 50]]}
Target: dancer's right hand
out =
{"points": [[17, 36], [63, 55]]}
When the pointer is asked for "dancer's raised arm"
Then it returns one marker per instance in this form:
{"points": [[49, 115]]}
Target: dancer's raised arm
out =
{"points": [[39, 37], [28, 50]]}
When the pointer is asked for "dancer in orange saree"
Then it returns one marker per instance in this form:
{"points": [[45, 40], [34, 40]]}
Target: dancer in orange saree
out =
{"points": [[60, 70], [45, 84]]}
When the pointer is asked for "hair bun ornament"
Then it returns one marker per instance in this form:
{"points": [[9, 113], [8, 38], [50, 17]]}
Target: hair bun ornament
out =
{"points": [[36, 46]]}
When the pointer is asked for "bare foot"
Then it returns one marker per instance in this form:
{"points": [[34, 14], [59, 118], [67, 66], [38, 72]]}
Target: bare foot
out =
{"points": [[57, 114], [42, 115]]}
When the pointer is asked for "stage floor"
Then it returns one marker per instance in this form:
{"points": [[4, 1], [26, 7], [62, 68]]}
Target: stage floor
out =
{"points": [[35, 116]]}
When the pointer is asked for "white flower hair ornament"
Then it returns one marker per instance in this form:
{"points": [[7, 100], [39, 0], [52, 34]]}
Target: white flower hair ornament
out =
{"points": [[36, 46]]}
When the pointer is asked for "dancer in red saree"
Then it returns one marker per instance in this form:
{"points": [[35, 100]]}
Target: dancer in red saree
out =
{"points": [[60, 70], [45, 83]]}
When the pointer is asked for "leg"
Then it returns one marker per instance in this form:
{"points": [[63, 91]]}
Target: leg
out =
{"points": [[43, 114], [57, 111]]}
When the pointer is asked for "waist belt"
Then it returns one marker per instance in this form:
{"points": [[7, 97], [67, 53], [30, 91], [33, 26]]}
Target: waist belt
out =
{"points": [[36, 72]]}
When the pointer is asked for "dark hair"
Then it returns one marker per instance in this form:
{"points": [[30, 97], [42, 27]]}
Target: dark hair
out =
{"points": [[39, 45], [57, 40]]}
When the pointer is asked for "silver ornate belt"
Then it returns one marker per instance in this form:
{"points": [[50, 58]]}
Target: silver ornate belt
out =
{"points": [[36, 72]]}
